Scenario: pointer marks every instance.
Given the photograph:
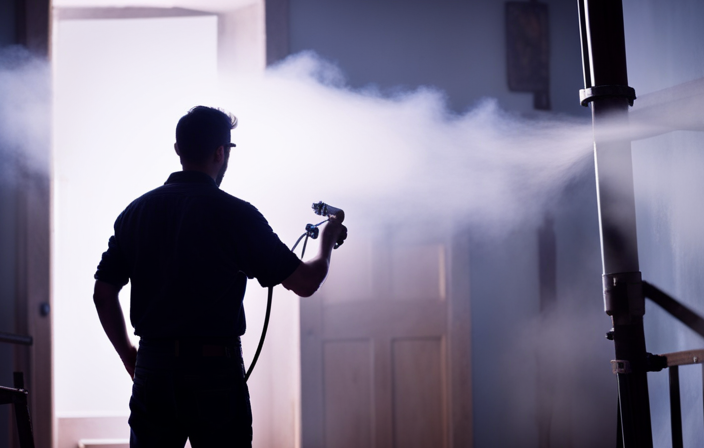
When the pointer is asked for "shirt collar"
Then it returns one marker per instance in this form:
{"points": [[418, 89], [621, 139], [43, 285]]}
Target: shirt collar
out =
{"points": [[190, 177]]}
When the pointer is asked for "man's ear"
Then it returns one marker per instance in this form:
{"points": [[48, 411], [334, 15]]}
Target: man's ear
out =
{"points": [[176, 149], [219, 154]]}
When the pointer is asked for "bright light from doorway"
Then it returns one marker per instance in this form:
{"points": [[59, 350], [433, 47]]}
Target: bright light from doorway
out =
{"points": [[120, 86]]}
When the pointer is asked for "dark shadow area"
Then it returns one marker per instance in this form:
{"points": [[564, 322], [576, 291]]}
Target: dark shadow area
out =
{"points": [[680, 312]]}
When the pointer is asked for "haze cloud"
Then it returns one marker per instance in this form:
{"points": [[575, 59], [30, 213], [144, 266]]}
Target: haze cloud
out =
{"points": [[401, 157]]}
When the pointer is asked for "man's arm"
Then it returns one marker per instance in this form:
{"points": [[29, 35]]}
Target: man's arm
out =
{"points": [[107, 302], [309, 275]]}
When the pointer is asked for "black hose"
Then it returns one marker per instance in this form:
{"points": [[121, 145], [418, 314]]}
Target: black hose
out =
{"points": [[268, 312], [261, 340], [303, 251], [298, 241]]}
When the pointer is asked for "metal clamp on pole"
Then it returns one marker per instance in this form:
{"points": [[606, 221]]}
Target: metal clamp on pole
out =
{"points": [[620, 366], [591, 93], [653, 363], [623, 294], [625, 303]]}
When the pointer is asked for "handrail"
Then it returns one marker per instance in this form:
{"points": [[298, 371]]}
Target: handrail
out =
{"points": [[696, 323], [674, 361], [18, 397], [684, 358], [16, 339]]}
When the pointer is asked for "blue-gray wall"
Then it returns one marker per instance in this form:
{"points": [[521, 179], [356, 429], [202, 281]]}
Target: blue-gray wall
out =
{"points": [[664, 49], [459, 47], [455, 45]]}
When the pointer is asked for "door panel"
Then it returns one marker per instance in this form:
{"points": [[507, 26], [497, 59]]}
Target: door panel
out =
{"points": [[418, 272], [348, 393], [374, 345], [418, 385], [352, 279]]}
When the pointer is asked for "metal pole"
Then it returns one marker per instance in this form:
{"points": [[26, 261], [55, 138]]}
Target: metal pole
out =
{"points": [[675, 407], [606, 88]]}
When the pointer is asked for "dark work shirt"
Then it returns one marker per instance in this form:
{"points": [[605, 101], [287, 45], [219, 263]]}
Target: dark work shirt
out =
{"points": [[188, 248]]}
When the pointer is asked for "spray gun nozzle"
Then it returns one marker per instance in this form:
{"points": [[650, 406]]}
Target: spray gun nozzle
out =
{"points": [[323, 209]]}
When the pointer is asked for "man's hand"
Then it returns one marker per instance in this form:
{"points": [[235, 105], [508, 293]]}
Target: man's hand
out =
{"points": [[334, 233], [107, 303], [130, 361], [309, 275]]}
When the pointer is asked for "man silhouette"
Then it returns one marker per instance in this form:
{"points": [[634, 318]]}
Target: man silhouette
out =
{"points": [[188, 248]]}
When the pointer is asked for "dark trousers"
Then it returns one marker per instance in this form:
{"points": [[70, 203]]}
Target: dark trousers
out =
{"points": [[192, 390]]}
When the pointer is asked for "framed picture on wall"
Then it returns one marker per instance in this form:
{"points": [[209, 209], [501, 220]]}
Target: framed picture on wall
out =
{"points": [[528, 49]]}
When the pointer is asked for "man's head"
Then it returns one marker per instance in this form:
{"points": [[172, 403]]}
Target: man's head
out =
{"points": [[201, 135], [201, 131]]}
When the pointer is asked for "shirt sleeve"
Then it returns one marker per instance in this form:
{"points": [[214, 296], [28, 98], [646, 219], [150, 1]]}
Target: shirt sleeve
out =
{"points": [[266, 258], [112, 268]]}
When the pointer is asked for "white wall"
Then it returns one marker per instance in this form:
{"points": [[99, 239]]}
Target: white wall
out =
{"points": [[121, 85]]}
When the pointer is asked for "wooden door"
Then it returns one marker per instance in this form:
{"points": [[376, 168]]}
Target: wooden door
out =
{"points": [[385, 349]]}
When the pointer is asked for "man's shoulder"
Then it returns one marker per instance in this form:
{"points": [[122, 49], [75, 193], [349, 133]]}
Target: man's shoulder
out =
{"points": [[146, 196], [237, 205], [143, 201], [224, 196], [204, 196]]}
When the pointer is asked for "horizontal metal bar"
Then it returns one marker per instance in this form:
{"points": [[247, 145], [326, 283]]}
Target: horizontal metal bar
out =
{"points": [[684, 358], [16, 339]]}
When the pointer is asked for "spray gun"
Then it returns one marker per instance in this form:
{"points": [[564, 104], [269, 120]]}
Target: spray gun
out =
{"points": [[323, 209], [312, 231]]}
